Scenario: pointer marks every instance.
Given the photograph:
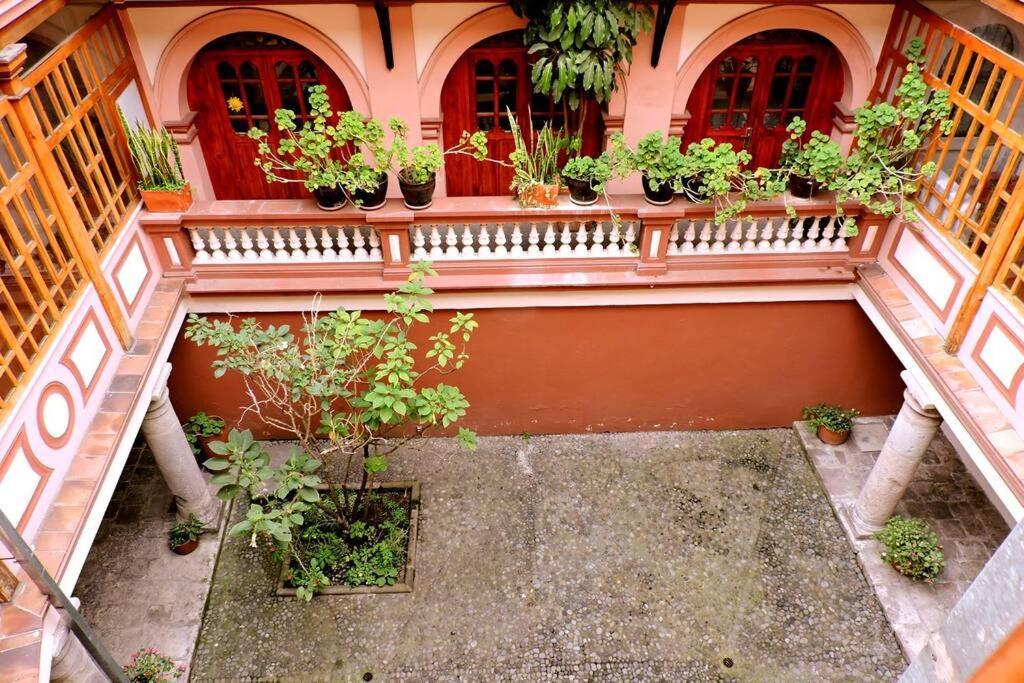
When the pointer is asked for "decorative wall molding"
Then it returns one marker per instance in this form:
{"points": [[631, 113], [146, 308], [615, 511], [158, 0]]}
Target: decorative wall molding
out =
{"points": [[55, 415], [132, 274], [22, 480], [933, 279], [87, 353]]}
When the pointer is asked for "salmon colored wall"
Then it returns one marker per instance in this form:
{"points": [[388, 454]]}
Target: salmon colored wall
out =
{"points": [[696, 366]]}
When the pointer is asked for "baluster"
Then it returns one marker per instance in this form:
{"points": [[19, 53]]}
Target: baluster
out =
{"points": [[312, 250], [485, 242], [750, 244], [839, 244], [199, 245], [673, 240], [630, 238], [231, 244], [344, 245], [500, 250], [781, 234], [263, 244], [766, 236], [248, 254], [614, 241], [705, 236], [828, 232], [689, 236], [796, 233], [295, 245], [359, 253], [327, 244], [597, 246], [581, 239], [534, 239], [517, 241], [549, 239], [435, 243], [375, 253], [280, 246], [451, 241], [418, 241], [735, 237], [565, 240], [467, 242], [214, 241], [813, 233]]}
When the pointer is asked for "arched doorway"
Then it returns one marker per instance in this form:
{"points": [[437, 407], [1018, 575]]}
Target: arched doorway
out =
{"points": [[235, 83], [751, 91], [490, 76]]}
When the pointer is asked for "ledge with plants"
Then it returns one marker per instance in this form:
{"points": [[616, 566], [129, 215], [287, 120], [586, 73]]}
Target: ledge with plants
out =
{"points": [[157, 161]]}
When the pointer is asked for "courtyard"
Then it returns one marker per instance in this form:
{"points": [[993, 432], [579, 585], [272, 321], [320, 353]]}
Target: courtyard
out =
{"points": [[644, 556]]}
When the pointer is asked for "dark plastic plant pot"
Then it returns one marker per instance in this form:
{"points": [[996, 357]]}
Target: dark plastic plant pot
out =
{"points": [[580, 191], [330, 198], [803, 187], [692, 189], [368, 201], [661, 196], [186, 547], [826, 435], [418, 195]]}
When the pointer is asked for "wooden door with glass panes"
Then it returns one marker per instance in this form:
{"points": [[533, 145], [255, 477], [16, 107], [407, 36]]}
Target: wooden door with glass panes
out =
{"points": [[233, 90], [753, 90], [487, 81]]}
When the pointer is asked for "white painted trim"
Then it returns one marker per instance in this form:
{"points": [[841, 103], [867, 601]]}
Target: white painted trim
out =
{"points": [[106, 490], [999, 493], [538, 299]]}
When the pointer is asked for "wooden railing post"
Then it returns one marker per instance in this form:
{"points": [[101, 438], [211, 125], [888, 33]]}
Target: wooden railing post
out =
{"points": [[12, 62]]}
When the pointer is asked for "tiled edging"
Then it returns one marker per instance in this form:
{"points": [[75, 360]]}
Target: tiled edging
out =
{"points": [[943, 493]]}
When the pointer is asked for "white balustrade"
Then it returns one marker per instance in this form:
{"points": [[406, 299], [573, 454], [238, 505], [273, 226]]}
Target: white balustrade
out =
{"points": [[758, 235], [524, 240], [262, 244]]}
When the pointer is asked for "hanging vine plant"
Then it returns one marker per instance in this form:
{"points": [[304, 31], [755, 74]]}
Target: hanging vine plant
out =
{"points": [[583, 47]]}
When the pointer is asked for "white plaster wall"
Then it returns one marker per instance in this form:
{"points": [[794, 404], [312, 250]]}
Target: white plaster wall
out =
{"points": [[157, 26], [431, 22]]}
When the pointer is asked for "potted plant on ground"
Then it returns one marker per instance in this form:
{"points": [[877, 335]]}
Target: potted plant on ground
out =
{"points": [[911, 548], [156, 158], [200, 430], [661, 165], [417, 167], [812, 165], [183, 537], [147, 665], [308, 154], [832, 422], [535, 163]]}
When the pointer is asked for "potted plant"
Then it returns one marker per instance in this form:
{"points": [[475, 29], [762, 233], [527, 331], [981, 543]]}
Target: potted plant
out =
{"points": [[364, 173], [535, 164], [147, 665], [586, 177], [308, 154], [661, 164], [183, 537], [155, 156], [200, 430], [911, 548], [417, 167], [833, 423], [812, 165]]}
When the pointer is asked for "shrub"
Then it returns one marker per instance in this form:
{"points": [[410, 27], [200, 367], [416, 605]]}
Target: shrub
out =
{"points": [[183, 532], [911, 548], [149, 666], [833, 418]]}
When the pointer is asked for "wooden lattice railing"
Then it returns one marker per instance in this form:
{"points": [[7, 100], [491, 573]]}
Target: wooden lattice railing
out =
{"points": [[976, 198], [66, 188]]}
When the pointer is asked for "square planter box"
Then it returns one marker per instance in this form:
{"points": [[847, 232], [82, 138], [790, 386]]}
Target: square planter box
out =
{"points": [[405, 578]]}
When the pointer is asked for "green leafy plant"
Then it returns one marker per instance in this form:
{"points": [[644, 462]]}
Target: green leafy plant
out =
{"points": [[658, 159], [595, 172], [155, 155], [817, 158], [147, 665], [831, 417], [879, 172], [911, 548], [711, 171], [184, 532], [534, 160], [201, 426], [418, 164], [581, 46], [350, 389]]}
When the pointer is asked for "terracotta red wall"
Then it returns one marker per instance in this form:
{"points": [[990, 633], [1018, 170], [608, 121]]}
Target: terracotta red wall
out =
{"points": [[697, 366]]}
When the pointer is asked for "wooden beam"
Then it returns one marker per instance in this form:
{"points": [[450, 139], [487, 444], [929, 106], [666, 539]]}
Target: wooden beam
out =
{"points": [[14, 28], [1010, 8], [661, 22]]}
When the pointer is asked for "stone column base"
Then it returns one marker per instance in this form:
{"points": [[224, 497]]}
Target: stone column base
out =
{"points": [[856, 527]]}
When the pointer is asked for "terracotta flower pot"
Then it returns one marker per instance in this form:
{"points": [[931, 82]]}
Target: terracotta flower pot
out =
{"points": [[539, 195], [803, 187], [204, 443], [826, 435], [186, 547], [580, 191], [657, 196], [168, 201]]}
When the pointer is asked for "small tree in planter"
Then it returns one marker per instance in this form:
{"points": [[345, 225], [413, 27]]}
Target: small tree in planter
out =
{"points": [[351, 390], [911, 548], [813, 165], [417, 167], [833, 423], [158, 162]]}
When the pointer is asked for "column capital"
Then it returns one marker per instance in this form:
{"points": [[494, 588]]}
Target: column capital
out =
{"points": [[917, 398]]}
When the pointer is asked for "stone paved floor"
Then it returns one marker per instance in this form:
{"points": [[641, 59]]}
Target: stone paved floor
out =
{"points": [[943, 494], [624, 557], [134, 591]]}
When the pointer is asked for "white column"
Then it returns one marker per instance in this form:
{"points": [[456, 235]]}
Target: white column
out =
{"points": [[894, 469], [166, 439], [71, 662]]}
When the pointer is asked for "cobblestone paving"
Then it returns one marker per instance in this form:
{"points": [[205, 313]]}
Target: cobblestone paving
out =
{"points": [[698, 556], [944, 494]]}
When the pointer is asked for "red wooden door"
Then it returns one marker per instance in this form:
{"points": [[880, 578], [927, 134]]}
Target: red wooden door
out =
{"points": [[233, 90], [752, 91], [487, 79]]}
